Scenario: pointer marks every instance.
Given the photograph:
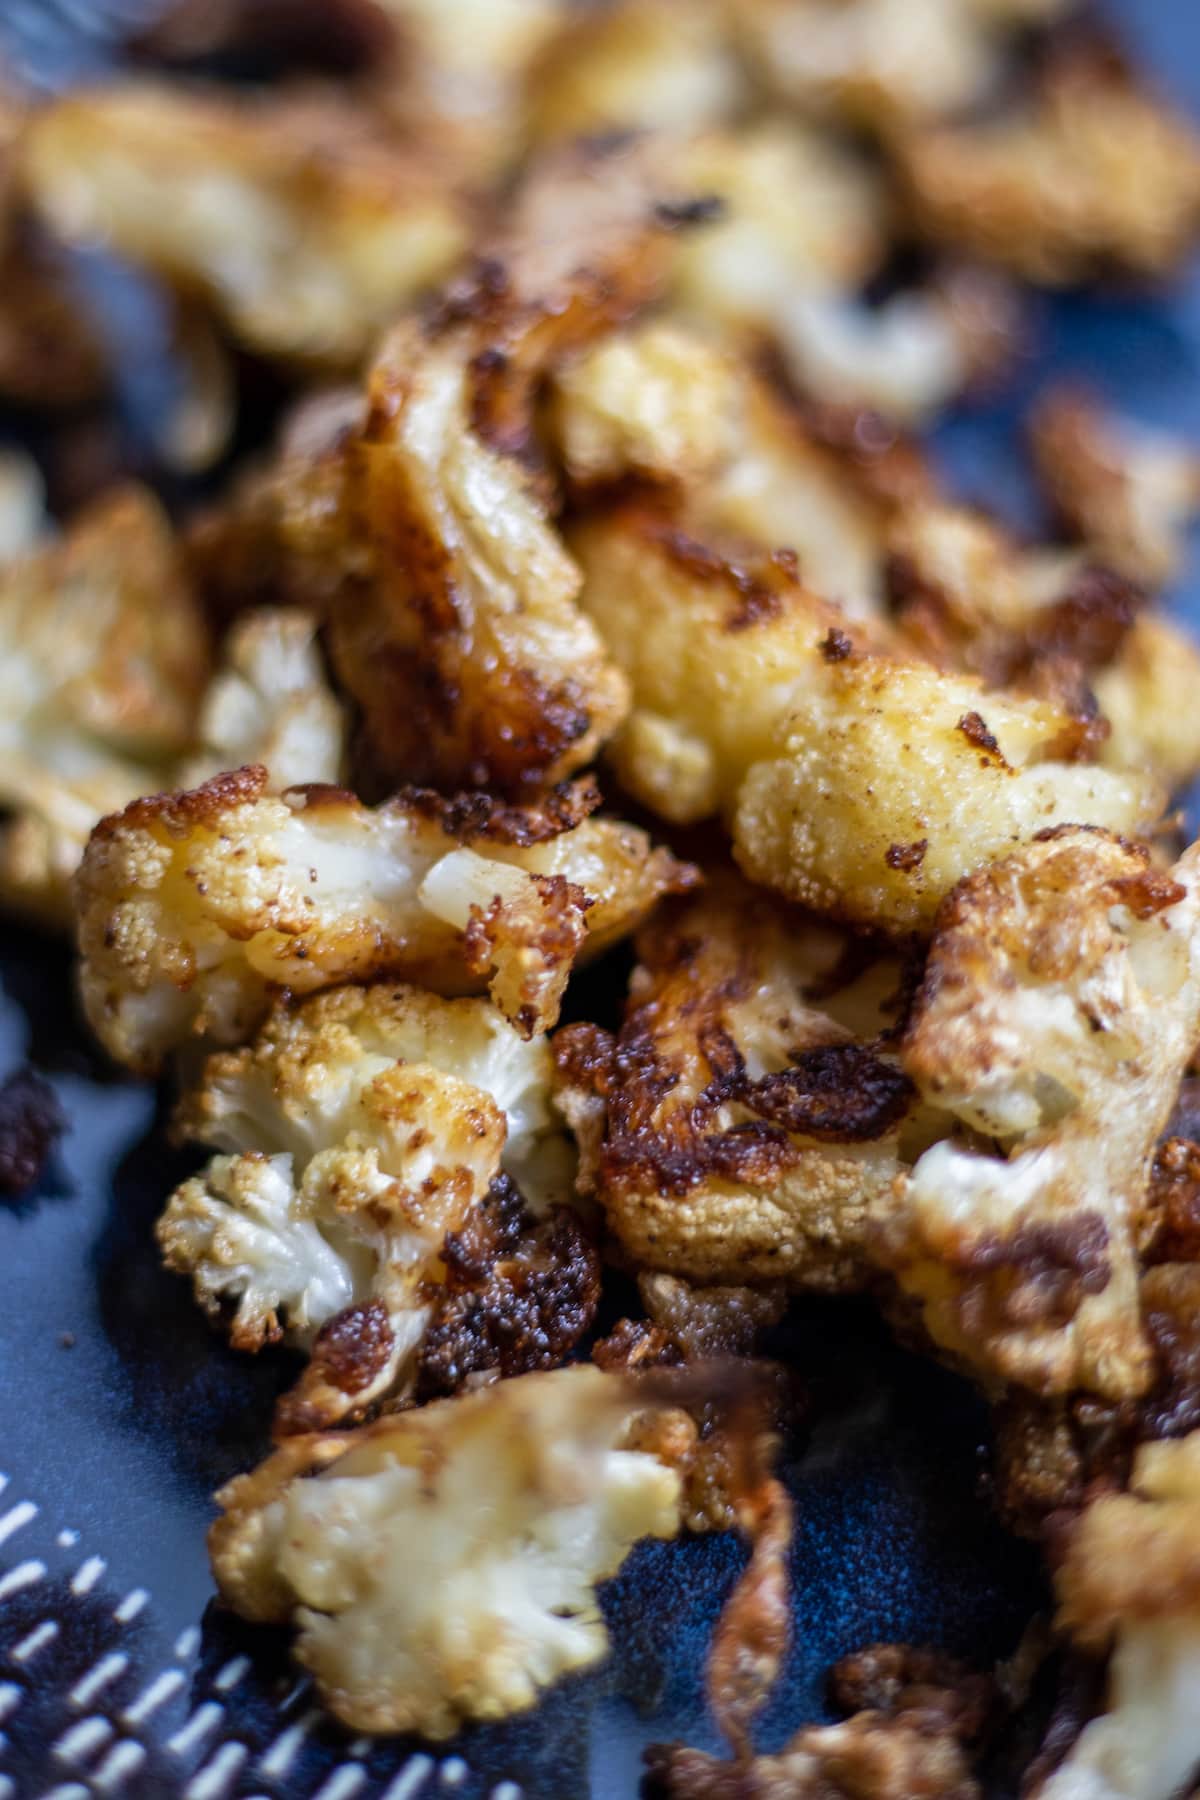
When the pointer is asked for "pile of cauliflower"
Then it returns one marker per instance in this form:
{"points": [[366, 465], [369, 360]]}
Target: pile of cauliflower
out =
{"points": [[595, 595]]}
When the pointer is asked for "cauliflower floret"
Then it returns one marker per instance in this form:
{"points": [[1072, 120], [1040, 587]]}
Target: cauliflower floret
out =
{"points": [[895, 781], [441, 1565], [1147, 695], [365, 1125], [639, 65], [464, 648], [303, 223], [195, 907], [104, 660], [270, 702], [1060, 1008], [1128, 493], [734, 1129], [1091, 172], [1130, 1579]]}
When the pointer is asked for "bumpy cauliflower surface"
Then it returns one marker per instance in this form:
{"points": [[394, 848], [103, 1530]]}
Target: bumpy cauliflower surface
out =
{"points": [[362, 1126], [270, 702], [1060, 1008], [1130, 1579], [441, 1564], [737, 1129], [105, 657], [195, 907], [1091, 172], [300, 220]]}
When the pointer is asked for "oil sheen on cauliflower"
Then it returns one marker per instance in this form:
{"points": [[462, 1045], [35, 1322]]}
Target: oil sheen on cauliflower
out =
{"points": [[441, 1565], [360, 1127], [735, 1129], [1130, 1580], [104, 660], [195, 907], [1060, 1008]]}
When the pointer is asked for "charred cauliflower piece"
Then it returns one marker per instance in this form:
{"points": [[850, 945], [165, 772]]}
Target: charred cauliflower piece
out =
{"points": [[1128, 493], [195, 907], [362, 1126], [303, 224], [1060, 1008], [737, 1128], [1146, 696], [1092, 173], [270, 702], [441, 1565], [1129, 1580], [104, 660]]}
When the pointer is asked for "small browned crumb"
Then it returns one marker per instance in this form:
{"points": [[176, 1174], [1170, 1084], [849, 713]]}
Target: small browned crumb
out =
{"points": [[31, 1122]]}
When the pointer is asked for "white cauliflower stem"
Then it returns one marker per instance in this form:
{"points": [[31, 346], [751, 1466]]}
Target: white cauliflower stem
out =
{"points": [[441, 1565]]}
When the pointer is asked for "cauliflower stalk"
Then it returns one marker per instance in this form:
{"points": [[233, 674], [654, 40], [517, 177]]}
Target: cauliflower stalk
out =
{"points": [[362, 1126], [441, 1565]]}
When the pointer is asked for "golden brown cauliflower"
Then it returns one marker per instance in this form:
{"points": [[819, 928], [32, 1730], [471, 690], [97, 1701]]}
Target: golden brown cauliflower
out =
{"points": [[441, 1564], [195, 907], [1059, 1011], [1130, 1579], [1146, 694], [1089, 173], [270, 702], [1128, 493], [746, 1121], [359, 1128], [302, 223], [105, 657]]}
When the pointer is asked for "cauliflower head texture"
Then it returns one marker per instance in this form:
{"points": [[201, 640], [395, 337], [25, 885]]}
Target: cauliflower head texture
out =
{"points": [[441, 1564], [196, 907], [1059, 1011]]}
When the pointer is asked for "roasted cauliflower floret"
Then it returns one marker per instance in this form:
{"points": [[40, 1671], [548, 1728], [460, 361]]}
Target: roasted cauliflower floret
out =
{"points": [[1091, 172], [270, 702], [464, 649], [302, 223], [1128, 493], [639, 65], [195, 907], [104, 660], [1060, 1008], [737, 1129], [1129, 1579], [441, 1565], [364, 1125], [1146, 694], [896, 780]]}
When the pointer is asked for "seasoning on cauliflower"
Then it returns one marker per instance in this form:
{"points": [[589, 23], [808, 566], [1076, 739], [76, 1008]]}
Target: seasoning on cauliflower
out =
{"points": [[195, 908], [105, 657], [441, 1564], [1128, 1580], [1091, 172], [270, 702], [335, 224], [737, 1129], [1059, 1011], [362, 1126], [1128, 493]]}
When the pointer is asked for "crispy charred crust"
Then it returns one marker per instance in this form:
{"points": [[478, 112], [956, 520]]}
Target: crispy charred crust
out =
{"points": [[31, 1122], [836, 1093], [895, 1678], [1053, 1268], [906, 856], [518, 1294], [1172, 1226], [975, 729], [473, 816], [835, 645], [350, 1353], [880, 459], [180, 814]]}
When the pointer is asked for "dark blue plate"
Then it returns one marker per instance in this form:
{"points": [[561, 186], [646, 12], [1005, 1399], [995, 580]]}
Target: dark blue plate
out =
{"points": [[120, 1412]]}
